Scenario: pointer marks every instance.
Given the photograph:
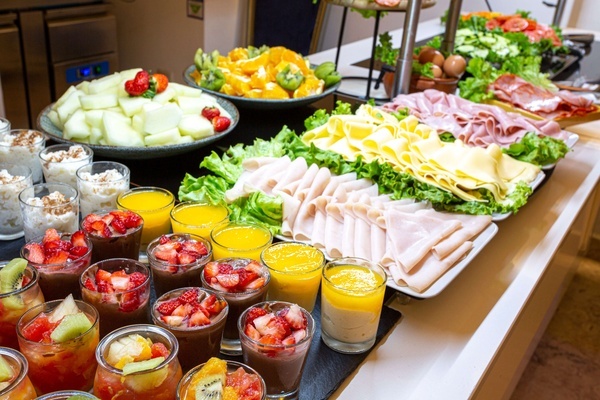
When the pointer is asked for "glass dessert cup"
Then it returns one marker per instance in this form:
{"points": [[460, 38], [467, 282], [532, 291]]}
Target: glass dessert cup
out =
{"points": [[66, 395], [19, 386], [238, 301], [186, 392], [197, 343], [240, 240], [154, 205], [55, 205], [60, 162], [58, 280], [167, 275], [118, 308], [125, 245], [60, 366], [295, 269], [352, 294], [280, 365], [158, 383], [22, 146], [15, 304], [13, 179], [4, 125], [198, 218], [99, 184]]}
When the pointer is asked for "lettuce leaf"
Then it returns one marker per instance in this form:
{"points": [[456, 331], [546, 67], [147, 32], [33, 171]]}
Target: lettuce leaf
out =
{"points": [[206, 189], [259, 208], [537, 150]]}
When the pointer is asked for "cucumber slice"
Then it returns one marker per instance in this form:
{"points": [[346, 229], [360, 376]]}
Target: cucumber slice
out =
{"points": [[139, 366], [71, 326]]}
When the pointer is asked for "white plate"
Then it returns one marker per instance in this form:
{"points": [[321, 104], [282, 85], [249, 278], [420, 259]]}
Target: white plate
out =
{"points": [[570, 142], [534, 185]]}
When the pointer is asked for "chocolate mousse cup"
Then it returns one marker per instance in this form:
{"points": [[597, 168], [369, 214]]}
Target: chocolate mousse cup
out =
{"points": [[281, 365], [115, 309], [126, 245], [167, 276], [238, 302], [199, 343], [57, 281]]}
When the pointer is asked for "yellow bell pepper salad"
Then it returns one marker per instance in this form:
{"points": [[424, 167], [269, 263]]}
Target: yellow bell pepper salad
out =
{"points": [[262, 73]]}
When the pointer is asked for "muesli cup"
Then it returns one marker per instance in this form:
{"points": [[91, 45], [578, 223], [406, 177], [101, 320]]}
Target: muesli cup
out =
{"points": [[196, 343], [118, 308], [238, 298], [280, 365], [60, 162], [19, 386], [13, 180], [21, 147], [49, 205], [99, 185], [159, 383], [16, 303], [60, 366], [58, 280], [167, 275]]}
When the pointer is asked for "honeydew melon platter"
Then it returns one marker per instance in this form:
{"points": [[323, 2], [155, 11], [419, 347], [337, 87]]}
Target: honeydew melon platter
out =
{"points": [[135, 115]]}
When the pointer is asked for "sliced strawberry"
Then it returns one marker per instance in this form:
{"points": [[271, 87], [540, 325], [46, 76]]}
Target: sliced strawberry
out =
{"points": [[183, 310], [217, 307], [255, 284], [185, 257], [51, 235], [99, 228], [251, 332], [198, 319], [225, 268], [270, 340], [89, 284], [254, 313], [118, 226], [210, 113], [168, 255], [108, 218], [288, 341], [77, 252], [164, 239], [245, 277], [189, 296], [221, 123], [136, 279], [228, 280], [211, 270], [172, 320], [196, 247], [78, 239], [56, 257], [208, 301], [294, 316], [167, 307], [132, 220], [160, 81], [119, 280], [130, 301], [158, 349], [103, 281], [34, 253], [254, 267]]}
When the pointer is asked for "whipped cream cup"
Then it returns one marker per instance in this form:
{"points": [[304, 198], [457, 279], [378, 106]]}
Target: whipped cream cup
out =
{"points": [[99, 185], [13, 180], [60, 162], [22, 147]]}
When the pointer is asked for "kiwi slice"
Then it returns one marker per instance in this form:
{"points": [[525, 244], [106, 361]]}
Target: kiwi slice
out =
{"points": [[210, 387], [138, 366], [71, 326], [6, 372], [11, 279]]}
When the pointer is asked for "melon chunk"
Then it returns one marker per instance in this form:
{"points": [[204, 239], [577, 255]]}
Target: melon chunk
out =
{"points": [[165, 96], [69, 105], [98, 101], [76, 127], [129, 74], [55, 119], [195, 126], [162, 119], [94, 118], [64, 97], [118, 132], [193, 105], [132, 105], [105, 83], [170, 136], [183, 90]]}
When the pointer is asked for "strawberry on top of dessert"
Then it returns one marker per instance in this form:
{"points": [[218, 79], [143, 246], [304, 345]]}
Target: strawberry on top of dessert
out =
{"points": [[113, 223], [285, 327], [235, 275], [178, 250], [192, 308], [53, 249]]}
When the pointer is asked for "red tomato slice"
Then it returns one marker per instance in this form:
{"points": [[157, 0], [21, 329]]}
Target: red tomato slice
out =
{"points": [[532, 25], [516, 24]]}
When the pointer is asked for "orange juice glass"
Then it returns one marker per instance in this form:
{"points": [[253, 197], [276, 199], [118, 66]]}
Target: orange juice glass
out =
{"points": [[198, 218], [154, 205], [239, 240], [295, 272]]}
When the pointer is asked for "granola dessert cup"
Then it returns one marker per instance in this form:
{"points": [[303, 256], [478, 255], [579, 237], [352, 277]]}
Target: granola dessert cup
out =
{"points": [[13, 180], [99, 185], [49, 205], [21, 147], [60, 162]]}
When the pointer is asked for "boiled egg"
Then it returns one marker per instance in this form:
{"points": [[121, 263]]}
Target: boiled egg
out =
{"points": [[431, 55], [454, 66]]}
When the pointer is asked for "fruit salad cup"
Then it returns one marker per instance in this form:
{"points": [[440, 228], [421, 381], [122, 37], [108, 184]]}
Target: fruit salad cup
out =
{"points": [[176, 261], [197, 318], [233, 380], [198, 218], [243, 283], [239, 239], [114, 234], [68, 395], [14, 382], [295, 272], [19, 291], [276, 337], [119, 288], [138, 362], [59, 340], [60, 258], [154, 205]]}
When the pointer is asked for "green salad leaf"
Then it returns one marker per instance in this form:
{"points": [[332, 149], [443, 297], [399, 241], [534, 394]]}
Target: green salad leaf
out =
{"points": [[538, 150]]}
